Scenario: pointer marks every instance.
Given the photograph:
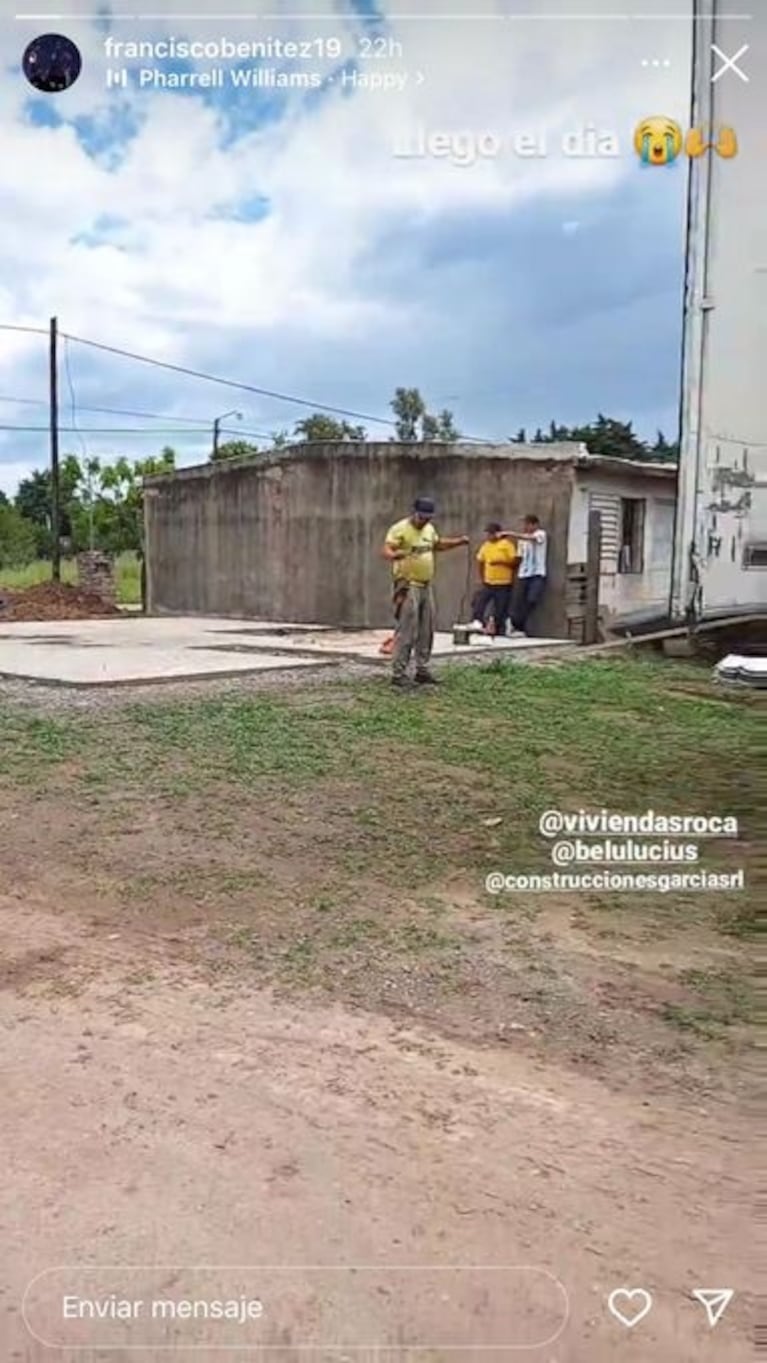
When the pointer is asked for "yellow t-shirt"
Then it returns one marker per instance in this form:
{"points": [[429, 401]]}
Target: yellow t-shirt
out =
{"points": [[420, 542], [498, 558]]}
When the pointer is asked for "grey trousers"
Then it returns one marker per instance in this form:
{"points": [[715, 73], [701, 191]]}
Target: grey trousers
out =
{"points": [[415, 631]]}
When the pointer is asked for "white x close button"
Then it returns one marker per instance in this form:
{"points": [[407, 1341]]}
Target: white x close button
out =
{"points": [[729, 63]]}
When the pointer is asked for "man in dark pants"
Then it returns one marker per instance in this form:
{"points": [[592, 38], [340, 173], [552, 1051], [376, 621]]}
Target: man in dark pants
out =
{"points": [[496, 561], [531, 582]]}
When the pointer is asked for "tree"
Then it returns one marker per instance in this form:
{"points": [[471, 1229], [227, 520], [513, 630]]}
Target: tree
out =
{"points": [[322, 427], [557, 433], [92, 473], [520, 438], [102, 505], [33, 498], [409, 409], [128, 532], [609, 437], [3, 499], [664, 451], [234, 449], [440, 427], [18, 537], [447, 427], [110, 513], [413, 422], [35, 503], [606, 436]]}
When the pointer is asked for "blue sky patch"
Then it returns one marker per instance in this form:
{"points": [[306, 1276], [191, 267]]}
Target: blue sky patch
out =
{"points": [[107, 135], [370, 13], [103, 231], [253, 208], [42, 112]]}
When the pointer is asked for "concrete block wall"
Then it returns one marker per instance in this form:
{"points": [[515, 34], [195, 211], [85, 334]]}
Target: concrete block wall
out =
{"points": [[297, 535], [96, 574]]}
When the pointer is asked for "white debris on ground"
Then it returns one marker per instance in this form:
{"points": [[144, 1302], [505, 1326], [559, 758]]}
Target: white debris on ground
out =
{"points": [[747, 671]]}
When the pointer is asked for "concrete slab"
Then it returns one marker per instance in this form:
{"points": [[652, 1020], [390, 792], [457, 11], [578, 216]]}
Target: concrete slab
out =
{"points": [[124, 650], [365, 645]]}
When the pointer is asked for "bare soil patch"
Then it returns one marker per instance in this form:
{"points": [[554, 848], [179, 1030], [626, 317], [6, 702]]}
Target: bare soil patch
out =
{"points": [[52, 601]]}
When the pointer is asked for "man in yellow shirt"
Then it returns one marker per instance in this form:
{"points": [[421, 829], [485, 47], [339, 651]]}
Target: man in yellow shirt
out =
{"points": [[497, 561], [410, 547]]}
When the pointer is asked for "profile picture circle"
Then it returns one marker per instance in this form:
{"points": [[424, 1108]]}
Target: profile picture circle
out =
{"points": [[52, 63]]}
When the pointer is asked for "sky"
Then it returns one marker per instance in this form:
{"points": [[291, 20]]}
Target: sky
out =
{"points": [[335, 243]]}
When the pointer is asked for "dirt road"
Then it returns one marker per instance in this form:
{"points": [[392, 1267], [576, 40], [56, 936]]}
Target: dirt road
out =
{"points": [[259, 1013], [176, 1122]]}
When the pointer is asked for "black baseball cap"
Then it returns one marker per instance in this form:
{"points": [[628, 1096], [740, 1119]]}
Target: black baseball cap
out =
{"points": [[424, 506]]}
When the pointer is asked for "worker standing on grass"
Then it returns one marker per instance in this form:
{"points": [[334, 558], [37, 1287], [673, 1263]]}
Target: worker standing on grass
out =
{"points": [[410, 547], [496, 562]]}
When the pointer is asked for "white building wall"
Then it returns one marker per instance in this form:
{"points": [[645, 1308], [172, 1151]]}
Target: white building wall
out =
{"points": [[723, 463], [623, 593]]}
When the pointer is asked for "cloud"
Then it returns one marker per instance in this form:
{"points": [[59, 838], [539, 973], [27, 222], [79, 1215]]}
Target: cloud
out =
{"points": [[278, 240]]}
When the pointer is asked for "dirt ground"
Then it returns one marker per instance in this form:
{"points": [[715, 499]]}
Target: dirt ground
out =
{"points": [[253, 1016], [52, 601]]}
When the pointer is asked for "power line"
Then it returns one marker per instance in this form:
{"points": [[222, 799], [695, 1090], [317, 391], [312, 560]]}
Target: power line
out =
{"points": [[130, 430], [202, 421], [251, 388], [34, 331], [88, 466], [231, 383], [210, 378], [73, 401], [202, 424]]}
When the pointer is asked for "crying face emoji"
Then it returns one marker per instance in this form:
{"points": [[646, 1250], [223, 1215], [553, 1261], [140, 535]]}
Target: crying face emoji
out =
{"points": [[657, 141]]}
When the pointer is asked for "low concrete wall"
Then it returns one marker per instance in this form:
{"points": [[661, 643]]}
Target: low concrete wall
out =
{"points": [[297, 535]]}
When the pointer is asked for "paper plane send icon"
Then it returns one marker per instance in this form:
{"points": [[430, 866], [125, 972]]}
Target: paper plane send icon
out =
{"points": [[715, 1300]]}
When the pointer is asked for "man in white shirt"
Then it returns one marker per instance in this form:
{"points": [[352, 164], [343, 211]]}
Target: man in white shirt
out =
{"points": [[531, 579]]}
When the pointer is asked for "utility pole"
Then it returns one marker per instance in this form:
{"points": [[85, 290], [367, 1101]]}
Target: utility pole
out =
{"points": [[55, 481], [217, 428]]}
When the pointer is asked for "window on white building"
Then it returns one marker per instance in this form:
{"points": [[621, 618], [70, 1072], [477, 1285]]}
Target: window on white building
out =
{"points": [[755, 554], [631, 552], [661, 514]]}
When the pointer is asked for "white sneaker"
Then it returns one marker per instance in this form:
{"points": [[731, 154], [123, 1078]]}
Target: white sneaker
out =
{"points": [[476, 625]]}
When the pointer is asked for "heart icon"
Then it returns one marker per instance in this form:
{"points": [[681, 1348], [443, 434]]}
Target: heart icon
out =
{"points": [[635, 1302]]}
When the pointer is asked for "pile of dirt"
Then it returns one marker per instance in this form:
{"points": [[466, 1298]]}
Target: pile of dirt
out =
{"points": [[52, 601]]}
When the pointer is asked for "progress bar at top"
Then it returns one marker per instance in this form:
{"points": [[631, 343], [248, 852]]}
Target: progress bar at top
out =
{"points": [[308, 17]]}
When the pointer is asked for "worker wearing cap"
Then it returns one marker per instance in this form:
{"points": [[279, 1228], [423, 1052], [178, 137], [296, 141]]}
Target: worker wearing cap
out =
{"points": [[497, 560], [410, 547]]}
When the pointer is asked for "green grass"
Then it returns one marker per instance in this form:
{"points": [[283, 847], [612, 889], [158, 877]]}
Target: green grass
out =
{"points": [[718, 1008], [338, 837], [720, 999], [724, 997], [127, 567], [612, 733], [423, 772]]}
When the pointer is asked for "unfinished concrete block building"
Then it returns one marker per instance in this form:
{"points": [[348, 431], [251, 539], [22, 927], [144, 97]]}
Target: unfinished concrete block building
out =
{"points": [[295, 534]]}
